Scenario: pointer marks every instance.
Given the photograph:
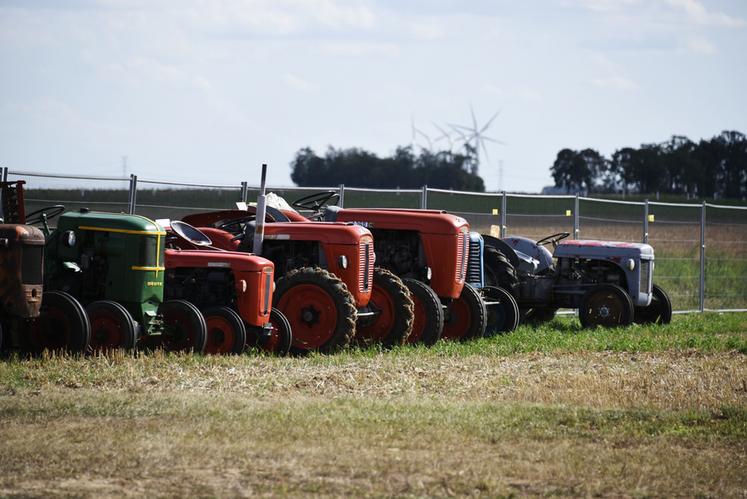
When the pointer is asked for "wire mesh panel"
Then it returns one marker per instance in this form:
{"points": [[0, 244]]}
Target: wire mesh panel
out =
{"points": [[73, 192], [726, 257], [610, 220], [537, 217], [481, 210], [156, 199], [382, 198], [674, 233]]}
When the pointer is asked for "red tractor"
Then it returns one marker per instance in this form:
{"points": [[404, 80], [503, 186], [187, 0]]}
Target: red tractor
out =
{"points": [[327, 286], [435, 254], [233, 290]]}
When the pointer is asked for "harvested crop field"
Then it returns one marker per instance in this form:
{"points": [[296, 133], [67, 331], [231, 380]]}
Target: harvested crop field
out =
{"points": [[551, 411]]}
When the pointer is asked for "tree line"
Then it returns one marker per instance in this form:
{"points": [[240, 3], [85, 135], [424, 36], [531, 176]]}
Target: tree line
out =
{"points": [[404, 169], [709, 168]]}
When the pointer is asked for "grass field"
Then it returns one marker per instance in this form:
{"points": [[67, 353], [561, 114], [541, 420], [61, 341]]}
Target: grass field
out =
{"points": [[640, 411]]}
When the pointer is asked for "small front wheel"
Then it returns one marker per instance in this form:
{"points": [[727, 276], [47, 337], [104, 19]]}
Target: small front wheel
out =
{"points": [[466, 316], [184, 327], [226, 333], [659, 311], [112, 326], [503, 312], [62, 325], [428, 324]]}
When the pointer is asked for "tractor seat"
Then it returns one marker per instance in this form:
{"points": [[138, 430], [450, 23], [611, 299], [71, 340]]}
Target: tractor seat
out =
{"points": [[330, 213]]}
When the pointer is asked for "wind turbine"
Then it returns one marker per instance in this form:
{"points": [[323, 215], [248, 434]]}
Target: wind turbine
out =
{"points": [[415, 133], [475, 137]]}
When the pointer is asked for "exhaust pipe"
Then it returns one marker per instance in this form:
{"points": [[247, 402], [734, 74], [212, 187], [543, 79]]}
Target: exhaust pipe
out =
{"points": [[259, 230]]}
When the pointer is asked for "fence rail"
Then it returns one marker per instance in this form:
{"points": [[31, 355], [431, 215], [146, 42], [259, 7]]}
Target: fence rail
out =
{"points": [[701, 249]]}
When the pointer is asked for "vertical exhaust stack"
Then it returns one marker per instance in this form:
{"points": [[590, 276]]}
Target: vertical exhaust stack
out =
{"points": [[259, 231]]}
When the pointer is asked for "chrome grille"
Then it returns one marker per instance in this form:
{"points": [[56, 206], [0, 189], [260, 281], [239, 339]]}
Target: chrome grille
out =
{"points": [[645, 282], [461, 257], [365, 269]]}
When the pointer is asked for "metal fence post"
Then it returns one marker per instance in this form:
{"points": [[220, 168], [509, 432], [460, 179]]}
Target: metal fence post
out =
{"points": [[244, 191], [133, 194], [702, 255], [576, 227], [341, 201], [424, 198], [3, 177], [504, 204], [645, 221]]}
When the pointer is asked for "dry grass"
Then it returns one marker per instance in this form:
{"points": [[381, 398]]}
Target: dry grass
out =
{"points": [[580, 423]]}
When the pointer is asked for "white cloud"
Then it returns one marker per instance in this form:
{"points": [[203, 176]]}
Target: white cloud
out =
{"points": [[701, 46], [358, 49], [697, 12], [298, 83], [616, 83]]}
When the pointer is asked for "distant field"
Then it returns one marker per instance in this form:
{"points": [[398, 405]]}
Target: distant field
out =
{"points": [[639, 411]]}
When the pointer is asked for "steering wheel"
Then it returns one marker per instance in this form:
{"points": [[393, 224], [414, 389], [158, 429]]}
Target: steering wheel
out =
{"points": [[554, 239], [44, 214], [315, 202], [234, 226]]}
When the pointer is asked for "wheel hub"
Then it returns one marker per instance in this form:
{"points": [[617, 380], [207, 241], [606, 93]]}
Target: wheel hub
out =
{"points": [[310, 316], [604, 311]]}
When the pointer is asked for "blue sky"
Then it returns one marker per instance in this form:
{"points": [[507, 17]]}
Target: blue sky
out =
{"points": [[202, 90]]}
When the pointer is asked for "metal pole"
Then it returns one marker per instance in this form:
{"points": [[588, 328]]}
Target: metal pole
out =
{"points": [[133, 194], [341, 201], [424, 198], [702, 255], [3, 176], [576, 205], [645, 222], [244, 191], [259, 230], [504, 204]]}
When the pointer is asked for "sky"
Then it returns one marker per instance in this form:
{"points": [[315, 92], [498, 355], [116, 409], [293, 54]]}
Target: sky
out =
{"points": [[207, 90]]}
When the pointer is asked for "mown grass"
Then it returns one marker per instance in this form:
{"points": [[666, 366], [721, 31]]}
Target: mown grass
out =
{"points": [[638, 411]]}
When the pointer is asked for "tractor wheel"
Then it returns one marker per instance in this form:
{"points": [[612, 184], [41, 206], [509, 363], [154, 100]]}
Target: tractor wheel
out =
{"points": [[391, 301], [280, 340], [659, 311], [319, 307], [606, 305], [184, 327], [503, 312], [428, 323], [62, 325], [498, 269], [226, 332], [112, 326], [466, 317]]}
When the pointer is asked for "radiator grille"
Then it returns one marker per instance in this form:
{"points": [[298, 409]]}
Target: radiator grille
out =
{"points": [[645, 283], [461, 257], [365, 269], [474, 263]]}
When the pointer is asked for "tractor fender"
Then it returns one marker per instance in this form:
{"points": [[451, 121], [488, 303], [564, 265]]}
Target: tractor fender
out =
{"points": [[504, 248]]}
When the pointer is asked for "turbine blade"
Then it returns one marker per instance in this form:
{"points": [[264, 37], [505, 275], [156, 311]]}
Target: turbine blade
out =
{"points": [[495, 141], [490, 121], [474, 120]]}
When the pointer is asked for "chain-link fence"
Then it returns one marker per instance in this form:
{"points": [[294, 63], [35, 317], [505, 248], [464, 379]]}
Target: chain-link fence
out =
{"points": [[701, 249]]}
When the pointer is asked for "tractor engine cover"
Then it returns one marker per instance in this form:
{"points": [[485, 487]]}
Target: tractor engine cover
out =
{"points": [[22, 255], [635, 259]]}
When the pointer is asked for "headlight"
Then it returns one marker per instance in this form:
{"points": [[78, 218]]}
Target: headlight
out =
{"points": [[631, 264], [69, 238], [428, 273], [343, 261]]}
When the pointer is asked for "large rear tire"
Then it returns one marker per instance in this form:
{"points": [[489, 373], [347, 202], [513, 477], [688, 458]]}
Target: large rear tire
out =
{"points": [[659, 311], [112, 326], [498, 269], [606, 305], [184, 327], [226, 333], [428, 323], [62, 325], [503, 312], [466, 317], [394, 309], [319, 307]]}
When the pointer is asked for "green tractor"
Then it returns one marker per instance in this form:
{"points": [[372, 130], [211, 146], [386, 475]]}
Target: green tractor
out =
{"points": [[113, 263]]}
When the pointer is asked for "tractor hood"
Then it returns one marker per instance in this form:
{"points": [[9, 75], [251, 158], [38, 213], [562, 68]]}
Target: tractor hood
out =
{"points": [[607, 250], [109, 222], [423, 221]]}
